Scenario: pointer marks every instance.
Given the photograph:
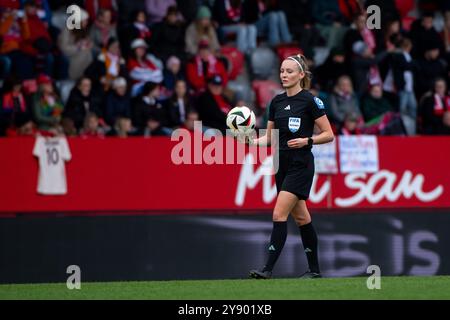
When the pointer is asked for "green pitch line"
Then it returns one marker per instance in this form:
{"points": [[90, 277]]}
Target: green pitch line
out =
{"points": [[437, 287]]}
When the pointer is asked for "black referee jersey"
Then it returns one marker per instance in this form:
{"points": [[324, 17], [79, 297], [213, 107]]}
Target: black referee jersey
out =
{"points": [[294, 118]]}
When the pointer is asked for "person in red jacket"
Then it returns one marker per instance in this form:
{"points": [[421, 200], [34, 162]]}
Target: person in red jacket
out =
{"points": [[203, 66], [38, 43]]}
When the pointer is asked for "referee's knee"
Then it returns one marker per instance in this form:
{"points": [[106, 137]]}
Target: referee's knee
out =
{"points": [[302, 220], [279, 216]]}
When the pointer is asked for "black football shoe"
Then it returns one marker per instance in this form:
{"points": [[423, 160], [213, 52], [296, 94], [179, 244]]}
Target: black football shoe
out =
{"points": [[310, 275], [259, 274]]}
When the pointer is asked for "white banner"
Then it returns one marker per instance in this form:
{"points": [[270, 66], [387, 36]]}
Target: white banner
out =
{"points": [[358, 154], [325, 160]]}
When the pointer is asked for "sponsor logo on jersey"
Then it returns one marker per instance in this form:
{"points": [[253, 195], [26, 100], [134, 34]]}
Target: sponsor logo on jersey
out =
{"points": [[294, 124], [319, 103], [288, 107]]}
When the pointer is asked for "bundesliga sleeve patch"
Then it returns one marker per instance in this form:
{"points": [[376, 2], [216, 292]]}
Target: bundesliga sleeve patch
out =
{"points": [[319, 103]]}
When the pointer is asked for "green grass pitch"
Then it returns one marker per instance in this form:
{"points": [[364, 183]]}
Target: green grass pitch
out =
{"points": [[436, 287]]}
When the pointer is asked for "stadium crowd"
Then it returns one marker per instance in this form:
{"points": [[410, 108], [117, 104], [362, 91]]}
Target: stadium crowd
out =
{"points": [[146, 67]]}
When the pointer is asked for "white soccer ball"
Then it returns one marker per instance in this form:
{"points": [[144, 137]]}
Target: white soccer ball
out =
{"points": [[241, 120]]}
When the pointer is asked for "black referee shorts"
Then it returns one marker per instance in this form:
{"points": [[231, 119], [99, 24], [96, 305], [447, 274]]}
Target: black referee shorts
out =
{"points": [[295, 172]]}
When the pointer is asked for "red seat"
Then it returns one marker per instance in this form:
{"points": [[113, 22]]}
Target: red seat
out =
{"points": [[265, 90], [286, 51], [235, 61]]}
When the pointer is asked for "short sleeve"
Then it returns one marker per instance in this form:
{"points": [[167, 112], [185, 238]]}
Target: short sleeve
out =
{"points": [[65, 150], [37, 149], [318, 108], [272, 110]]}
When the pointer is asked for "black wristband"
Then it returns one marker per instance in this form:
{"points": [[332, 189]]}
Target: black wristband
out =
{"points": [[310, 142]]}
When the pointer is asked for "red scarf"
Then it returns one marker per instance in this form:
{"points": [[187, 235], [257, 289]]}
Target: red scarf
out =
{"points": [[441, 105], [233, 13], [212, 62], [222, 103], [368, 38]]}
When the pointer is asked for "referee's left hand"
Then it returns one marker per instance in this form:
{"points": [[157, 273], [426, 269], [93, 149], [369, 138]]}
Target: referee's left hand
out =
{"points": [[297, 143]]}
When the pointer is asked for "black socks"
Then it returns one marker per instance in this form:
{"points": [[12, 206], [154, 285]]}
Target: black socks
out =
{"points": [[277, 241], [309, 239]]}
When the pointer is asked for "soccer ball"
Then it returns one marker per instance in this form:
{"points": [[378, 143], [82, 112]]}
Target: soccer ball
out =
{"points": [[241, 120]]}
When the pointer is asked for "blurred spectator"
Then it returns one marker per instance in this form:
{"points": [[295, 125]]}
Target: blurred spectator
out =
{"points": [[201, 29], [91, 127], [168, 36], [13, 105], [68, 127], [435, 110], [93, 7], [374, 105], [329, 21], [359, 32], [423, 35], [343, 101], [12, 35], [384, 38], [269, 19], [203, 66], [400, 79], [189, 8], [430, 67], [77, 46], [154, 128], [351, 125], [82, 100], [37, 43], [139, 28], [118, 102], [122, 128], [108, 66], [102, 30], [189, 123], [43, 11], [48, 107], [148, 111], [157, 9], [179, 104], [172, 73], [230, 16], [213, 106], [143, 66], [334, 66], [300, 21], [127, 10], [364, 67], [23, 127], [135, 28]]}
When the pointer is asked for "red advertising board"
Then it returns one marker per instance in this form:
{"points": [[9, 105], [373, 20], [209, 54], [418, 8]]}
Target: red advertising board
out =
{"points": [[139, 174]]}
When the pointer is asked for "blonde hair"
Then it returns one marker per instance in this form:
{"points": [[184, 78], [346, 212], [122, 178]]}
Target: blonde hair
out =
{"points": [[305, 83]]}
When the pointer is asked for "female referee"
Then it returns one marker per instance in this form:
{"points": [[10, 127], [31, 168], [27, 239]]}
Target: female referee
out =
{"points": [[294, 113]]}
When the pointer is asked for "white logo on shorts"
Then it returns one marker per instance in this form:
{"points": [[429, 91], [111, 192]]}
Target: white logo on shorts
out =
{"points": [[294, 124]]}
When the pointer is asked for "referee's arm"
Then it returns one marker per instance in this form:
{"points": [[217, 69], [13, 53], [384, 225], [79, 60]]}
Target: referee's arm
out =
{"points": [[326, 133]]}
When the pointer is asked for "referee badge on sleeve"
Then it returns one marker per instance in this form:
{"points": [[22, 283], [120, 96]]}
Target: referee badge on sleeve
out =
{"points": [[319, 103], [294, 124]]}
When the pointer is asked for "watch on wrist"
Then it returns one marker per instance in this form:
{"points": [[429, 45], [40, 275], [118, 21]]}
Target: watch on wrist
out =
{"points": [[310, 142]]}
